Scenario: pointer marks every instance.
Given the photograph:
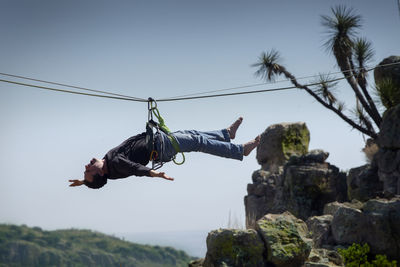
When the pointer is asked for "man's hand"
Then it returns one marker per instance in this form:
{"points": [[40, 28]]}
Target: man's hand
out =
{"points": [[76, 182], [161, 175]]}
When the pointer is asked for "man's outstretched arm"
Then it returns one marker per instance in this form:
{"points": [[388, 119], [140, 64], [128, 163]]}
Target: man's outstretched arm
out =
{"points": [[154, 173]]}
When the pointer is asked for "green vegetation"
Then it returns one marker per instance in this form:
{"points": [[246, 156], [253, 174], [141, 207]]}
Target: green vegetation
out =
{"points": [[25, 246], [389, 92], [357, 255]]}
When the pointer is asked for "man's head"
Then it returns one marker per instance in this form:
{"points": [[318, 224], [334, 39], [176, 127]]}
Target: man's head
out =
{"points": [[97, 182], [94, 167], [94, 174]]}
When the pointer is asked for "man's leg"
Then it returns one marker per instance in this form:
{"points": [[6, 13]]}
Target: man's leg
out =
{"points": [[218, 135], [196, 141], [213, 142], [200, 143], [225, 135]]}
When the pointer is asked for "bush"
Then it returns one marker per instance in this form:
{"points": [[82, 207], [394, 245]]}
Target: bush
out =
{"points": [[357, 255], [389, 93]]}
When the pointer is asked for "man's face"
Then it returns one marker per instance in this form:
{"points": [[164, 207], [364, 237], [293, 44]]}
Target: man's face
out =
{"points": [[94, 167]]}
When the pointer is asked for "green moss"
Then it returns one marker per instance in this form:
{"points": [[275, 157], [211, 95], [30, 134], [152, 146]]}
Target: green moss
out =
{"points": [[283, 239], [295, 141], [237, 247]]}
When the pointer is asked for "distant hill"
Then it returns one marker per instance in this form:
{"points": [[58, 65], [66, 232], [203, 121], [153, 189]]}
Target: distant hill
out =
{"points": [[25, 246]]}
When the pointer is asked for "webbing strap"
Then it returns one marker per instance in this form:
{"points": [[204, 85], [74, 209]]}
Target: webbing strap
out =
{"points": [[177, 149], [153, 110], [161, 122]]}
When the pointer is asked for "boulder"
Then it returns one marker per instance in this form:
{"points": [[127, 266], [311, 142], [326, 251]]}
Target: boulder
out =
{"points": [[231, 247], [390, 129], [320, 229], [314, 156], [348, 225], [309, 186], [363, 183], [387, 80], [331, 208], [388, 156], [376, 223], [388, 72], [324, 258], [279, 142], [264, 196], [285, 238], [383, 229]]}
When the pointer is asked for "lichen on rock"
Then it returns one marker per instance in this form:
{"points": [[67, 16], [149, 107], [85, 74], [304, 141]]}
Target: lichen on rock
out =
{"points": [[281, 141], [233, 247], [286, 239]]}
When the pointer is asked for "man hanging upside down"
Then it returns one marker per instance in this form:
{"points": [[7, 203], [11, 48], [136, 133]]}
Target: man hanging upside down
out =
{"points": [[132, 156]]}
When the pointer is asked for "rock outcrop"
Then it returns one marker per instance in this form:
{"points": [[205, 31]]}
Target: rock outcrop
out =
{"points": [[388, 156], [298, 182], [391, 72], [296, 185], [363, 183], [323, 258], [279, 240], [375, 223], [387, 81], [320, 227], [281, 141]]}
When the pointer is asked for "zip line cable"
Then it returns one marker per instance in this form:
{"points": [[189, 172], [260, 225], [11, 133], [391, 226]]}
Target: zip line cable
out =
{"points": [[74, 92], [166, 99], [187, 97], [66, 85], [260, 84], [246, 92]]}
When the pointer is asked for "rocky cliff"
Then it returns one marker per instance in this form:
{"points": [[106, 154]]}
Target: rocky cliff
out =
{"points": [[293, 180], [300, 208]]}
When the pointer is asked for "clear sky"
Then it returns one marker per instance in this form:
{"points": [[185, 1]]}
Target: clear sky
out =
{"points": [[158, 49]]}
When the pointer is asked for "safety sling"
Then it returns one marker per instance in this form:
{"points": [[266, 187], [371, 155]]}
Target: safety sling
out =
{"points": [[153, 128]]}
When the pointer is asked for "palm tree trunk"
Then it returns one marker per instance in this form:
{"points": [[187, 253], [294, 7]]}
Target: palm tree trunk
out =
{"points": [[363, 84], [345, 67], [368, 132]]}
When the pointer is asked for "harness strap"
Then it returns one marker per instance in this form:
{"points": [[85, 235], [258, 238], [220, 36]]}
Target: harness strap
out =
{"points": [[153, 110]]}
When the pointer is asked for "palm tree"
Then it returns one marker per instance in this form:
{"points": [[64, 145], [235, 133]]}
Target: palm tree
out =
{"points": [[351, 54]]}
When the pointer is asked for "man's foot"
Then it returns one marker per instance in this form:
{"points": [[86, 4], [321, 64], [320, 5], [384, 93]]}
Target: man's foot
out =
{"points": [[249, 146], [233, 128]]}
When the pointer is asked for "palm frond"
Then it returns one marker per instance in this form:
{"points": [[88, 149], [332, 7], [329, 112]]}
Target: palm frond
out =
{"points": [[361, 116], [340, 106], [388, 93], [325, 89], [363, 52], [341, 28], [268, 66]]}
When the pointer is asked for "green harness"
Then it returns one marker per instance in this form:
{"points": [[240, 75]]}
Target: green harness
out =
{"points": [[159, 126]]}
